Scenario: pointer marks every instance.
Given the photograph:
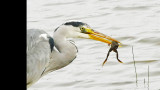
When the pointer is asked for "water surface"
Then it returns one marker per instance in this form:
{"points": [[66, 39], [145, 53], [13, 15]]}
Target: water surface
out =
{"points": [[133, 22]]}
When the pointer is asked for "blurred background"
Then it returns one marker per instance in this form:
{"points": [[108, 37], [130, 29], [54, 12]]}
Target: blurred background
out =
{"points": [[133, 22]]}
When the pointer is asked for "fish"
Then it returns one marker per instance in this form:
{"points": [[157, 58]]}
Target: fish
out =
{"points": [[114, 46]]}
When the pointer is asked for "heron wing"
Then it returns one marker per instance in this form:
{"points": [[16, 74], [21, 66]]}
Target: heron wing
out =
{"points": [[38, 54]]}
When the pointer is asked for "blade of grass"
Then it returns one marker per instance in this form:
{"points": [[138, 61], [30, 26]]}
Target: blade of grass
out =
{"points": [[148, 76], [135, 66]]}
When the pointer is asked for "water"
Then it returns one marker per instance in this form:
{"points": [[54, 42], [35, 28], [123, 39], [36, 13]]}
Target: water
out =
{"points": [[133, 22]]}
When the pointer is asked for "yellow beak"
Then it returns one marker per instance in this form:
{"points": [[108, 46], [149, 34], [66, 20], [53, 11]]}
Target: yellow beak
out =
{"points": [[99, 36]]}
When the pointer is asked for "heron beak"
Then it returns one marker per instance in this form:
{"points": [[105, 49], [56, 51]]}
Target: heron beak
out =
{"points": [[99, 36]]}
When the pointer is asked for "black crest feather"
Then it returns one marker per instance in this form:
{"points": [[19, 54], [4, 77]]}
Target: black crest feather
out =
{"points": [[51, 43], [74, 24]]}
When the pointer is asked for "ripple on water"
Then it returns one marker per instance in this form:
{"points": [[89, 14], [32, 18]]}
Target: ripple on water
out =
{"points": [[148, 40], [121, 83], [32, 21], [66, 84], [120, 8], [127, 38], [143, 62], [56, 16], [62, 3]]}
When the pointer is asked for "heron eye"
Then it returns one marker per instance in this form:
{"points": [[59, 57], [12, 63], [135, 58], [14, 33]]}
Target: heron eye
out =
{"points": [[82, 28]]}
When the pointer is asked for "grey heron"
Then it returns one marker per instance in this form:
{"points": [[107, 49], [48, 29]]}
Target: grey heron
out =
{"points": [[46, 54]]}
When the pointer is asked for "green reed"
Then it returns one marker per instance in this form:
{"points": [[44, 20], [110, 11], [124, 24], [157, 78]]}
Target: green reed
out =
{"points": [[135, 66], [148, 77]]}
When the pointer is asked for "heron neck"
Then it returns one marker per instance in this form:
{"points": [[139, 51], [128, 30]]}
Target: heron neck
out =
{"points": [[65, 48]]}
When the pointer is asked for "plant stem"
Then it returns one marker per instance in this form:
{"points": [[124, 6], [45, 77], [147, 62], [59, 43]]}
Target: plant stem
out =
{"points": [[134, 66], [148, 76]]}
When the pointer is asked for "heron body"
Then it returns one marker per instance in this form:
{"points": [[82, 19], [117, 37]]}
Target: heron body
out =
{"points": [[46, 54], [38, 54]]}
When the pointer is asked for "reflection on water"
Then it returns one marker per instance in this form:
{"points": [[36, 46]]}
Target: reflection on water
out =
{"points": [[132, 22]]}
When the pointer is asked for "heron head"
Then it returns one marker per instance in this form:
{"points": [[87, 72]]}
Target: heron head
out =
{"points": [[82, 30]]}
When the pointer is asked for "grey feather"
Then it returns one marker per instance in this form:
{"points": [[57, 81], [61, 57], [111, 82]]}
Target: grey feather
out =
{"points": [[46, 54], [38, 54]]}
